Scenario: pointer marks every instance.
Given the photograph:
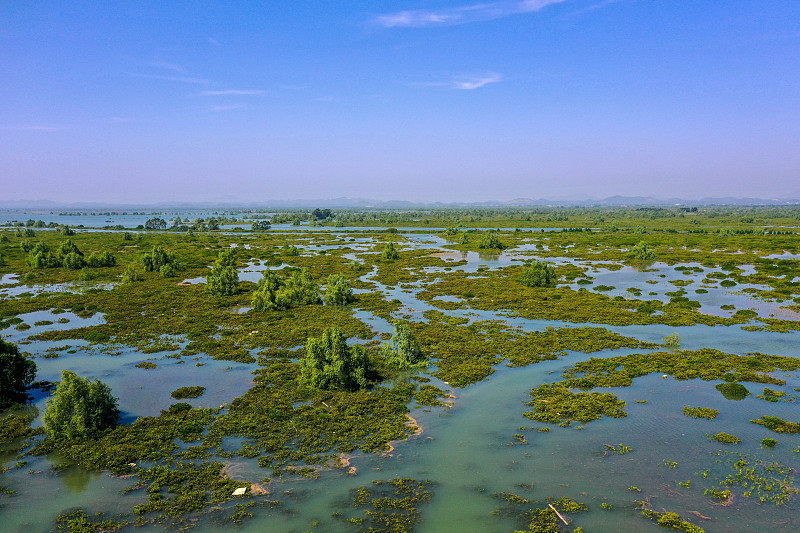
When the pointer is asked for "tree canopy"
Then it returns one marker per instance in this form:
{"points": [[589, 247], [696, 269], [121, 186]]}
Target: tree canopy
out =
{"points": [[223, 280], [16, 375], [404, 351], [330, 364], [538, 274], [79, 408], [389, 253], [338, 291], [275, 294], [642, 252]]}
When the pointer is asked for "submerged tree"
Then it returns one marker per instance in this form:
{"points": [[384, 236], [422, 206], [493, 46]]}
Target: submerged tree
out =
{"points": [[642, 252], [330, 364], [389, 253], [538, 274], [490, 241], [275, 294], [80, 408], [16, 375], [338, 291], [404, 351], [223, 280]]}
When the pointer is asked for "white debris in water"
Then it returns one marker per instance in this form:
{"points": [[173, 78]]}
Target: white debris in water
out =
{"points": [[240, 491]]}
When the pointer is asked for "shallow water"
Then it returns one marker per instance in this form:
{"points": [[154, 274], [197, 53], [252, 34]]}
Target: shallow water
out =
{"points": [[469, 450]]}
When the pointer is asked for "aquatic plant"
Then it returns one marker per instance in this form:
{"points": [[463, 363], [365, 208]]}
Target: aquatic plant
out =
{"points": [[188, 392], [726, 438], [490, 241], [672, 521], [642, 252], [700, 412], [672, 340], [733, 391], [777, 424], [556, 404]]}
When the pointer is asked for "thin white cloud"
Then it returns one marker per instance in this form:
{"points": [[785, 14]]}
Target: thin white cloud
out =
{"points": [[219, 108], [181, 79], [34, 127], [422, 18], [475, 82], [466, 82], [233, 92], [168, 66]]}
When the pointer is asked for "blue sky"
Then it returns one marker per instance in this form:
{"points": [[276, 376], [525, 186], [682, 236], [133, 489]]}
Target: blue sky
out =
{"points": [[453, 101]]}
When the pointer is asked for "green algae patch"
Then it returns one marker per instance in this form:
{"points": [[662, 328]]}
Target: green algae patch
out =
{"points": [[726, 438], [672, 520], [13, 427], [391, 505], [465, 353], [700, 412], [556, 404], [777, 424], [188, 392]]}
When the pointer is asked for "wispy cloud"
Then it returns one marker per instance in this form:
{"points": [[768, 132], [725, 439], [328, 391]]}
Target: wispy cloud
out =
{"points": [[220, 108], [181, 79], [422, 18], [168, 66], [465, 82], [34, 127], [233, 92], [475, 82]]}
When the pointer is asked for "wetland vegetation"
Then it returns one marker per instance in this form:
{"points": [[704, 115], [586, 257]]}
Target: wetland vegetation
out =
{"points": [[326, 362]]}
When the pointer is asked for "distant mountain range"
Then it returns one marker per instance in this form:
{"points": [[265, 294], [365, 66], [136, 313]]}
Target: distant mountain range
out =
{"points": [[354, 203]]}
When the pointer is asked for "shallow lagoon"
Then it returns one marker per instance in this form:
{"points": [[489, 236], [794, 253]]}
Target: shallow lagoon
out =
{"points": [[468, 451]]}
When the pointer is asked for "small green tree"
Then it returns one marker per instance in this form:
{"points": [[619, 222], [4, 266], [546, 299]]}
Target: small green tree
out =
{"points": [[338, 291], [389, 253], [330, 364], [261, 225], [16, 375], [673, 340], [79, 408], [275, 294], [223, 280], [538, 274], [404, 351], [490, 241], [642, 252], [157, 258]]}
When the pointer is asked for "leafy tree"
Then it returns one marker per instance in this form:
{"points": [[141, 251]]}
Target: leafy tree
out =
{"points": [[157, 258], [101, 259], [79, 408], [321, 214], [16, 375], [389, 253], [642, 252], [538, 274], [275, 294], [338, 291], [330, 364], [490, 241], [261, 225], [127, 236], [223, 280], [155, 223], [132, 273], [66, 231], [404, 351]]}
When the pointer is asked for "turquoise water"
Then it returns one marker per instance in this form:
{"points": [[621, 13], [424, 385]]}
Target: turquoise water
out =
{"points": [[469, 451]]}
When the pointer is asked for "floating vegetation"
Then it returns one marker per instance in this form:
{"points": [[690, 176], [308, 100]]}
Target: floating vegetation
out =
{"points": [[756, 478], [733, 391], [188, 392], [672, 521], [700, 412], [726, 438], [777, 424], [390, 505], [556, 404]]}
